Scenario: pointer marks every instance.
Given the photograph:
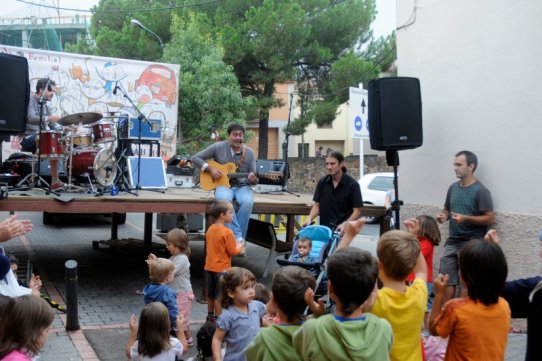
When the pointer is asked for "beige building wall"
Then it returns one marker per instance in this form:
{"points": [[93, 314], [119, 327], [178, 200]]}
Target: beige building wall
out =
{"points": [[480, 84], [336, 137]]}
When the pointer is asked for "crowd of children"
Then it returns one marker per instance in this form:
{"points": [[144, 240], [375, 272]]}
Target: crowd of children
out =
{"points": [[382, 305]]}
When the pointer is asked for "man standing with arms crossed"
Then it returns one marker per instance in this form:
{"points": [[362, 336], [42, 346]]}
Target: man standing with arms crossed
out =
{"points": [[469, 209]]}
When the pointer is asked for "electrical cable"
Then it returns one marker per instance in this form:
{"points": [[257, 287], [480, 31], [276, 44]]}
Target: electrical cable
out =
{"points": [[121, 10]]}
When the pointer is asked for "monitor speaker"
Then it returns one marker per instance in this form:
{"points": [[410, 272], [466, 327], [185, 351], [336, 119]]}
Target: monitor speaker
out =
{"points": [[14, 94], [395, 113], [267, 169]]}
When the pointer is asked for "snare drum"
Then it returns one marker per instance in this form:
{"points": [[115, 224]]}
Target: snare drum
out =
{"points": [[99, 164], [83, 137], [103, 132], [51, 144]]}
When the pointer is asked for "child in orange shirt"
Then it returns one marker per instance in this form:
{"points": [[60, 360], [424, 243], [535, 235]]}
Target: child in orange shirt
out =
{"points": [[478, 324], [221, 246]]}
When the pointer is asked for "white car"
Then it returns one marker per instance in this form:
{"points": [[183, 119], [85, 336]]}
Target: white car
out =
{"points": [[374, 187]]}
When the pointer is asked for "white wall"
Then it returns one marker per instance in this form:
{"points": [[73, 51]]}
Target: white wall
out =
{"points": [[481, 79]]}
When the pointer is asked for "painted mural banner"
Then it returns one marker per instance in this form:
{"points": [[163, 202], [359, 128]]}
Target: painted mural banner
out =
{"points": [[87, 83]]}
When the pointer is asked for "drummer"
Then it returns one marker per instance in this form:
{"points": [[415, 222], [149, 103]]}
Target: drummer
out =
{"points": [[50, 122]]}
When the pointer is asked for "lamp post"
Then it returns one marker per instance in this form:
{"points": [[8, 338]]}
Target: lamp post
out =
{"points": [[139, 25]]}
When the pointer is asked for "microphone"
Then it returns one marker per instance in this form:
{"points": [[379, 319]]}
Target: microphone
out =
{"points": [[116, 87], [48, 85]]}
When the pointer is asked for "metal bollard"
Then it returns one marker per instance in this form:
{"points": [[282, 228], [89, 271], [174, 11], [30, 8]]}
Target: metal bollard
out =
{"points": [[72, 313]]}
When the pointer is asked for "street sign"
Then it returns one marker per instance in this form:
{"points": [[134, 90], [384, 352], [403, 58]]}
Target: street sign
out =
{"points": [[358, 116]]}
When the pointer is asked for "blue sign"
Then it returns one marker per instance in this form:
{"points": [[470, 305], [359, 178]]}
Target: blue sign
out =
{"points": [[358, 123]]}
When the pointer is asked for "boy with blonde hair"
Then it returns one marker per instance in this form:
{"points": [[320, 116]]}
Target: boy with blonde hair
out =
{"points": [[403, 306], [161, 273]]}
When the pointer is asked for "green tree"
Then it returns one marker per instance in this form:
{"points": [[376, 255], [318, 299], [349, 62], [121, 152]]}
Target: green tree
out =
{"points": [[271, 41], [210, 96], [115, 36]]}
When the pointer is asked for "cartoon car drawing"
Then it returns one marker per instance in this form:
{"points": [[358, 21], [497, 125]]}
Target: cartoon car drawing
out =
{"points": [[161, 81]]}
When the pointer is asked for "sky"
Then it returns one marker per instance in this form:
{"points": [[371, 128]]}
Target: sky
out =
{"points": [[384, 24], [9, 6]]}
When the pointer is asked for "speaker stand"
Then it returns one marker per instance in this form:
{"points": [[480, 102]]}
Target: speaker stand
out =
{"points": [[392, 158]]}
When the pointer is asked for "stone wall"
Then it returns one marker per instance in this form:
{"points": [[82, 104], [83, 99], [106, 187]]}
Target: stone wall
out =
{"points": [[305, 173]]}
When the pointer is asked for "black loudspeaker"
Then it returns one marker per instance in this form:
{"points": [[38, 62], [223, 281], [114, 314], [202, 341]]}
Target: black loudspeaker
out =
{"points": [[395, 113], [267, 169], [14, 94]]}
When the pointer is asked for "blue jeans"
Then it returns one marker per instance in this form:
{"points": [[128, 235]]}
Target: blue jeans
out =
{"points": [[245, 200]]}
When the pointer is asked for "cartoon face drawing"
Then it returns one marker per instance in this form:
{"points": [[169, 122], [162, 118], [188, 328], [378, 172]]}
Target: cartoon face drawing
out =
{"points": [[112, 72], [143, 94], [92, 89]]}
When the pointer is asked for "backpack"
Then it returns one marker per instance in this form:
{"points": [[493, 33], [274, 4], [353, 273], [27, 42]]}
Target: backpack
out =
{"points": [[204, 339]]}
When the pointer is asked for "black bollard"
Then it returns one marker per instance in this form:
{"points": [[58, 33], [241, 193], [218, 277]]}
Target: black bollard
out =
{"points": [[72, 313]]}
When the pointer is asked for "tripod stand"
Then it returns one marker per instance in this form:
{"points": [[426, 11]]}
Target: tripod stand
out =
{"points": [[123, 162], [285, 148], [123, 151]]}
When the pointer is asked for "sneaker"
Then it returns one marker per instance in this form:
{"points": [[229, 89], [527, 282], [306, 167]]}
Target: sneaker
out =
{"points": [[190, 342], [57, 185]]}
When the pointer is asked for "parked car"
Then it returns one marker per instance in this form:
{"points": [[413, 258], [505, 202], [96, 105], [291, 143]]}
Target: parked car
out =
{"points": [[374, 187]]}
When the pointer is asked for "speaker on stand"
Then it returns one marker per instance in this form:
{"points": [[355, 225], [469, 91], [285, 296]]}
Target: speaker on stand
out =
{"points": [[14, 96], [395, 122]]}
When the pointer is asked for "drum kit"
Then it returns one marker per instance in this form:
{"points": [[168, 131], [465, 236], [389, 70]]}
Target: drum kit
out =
{"points": [[87, 144]]}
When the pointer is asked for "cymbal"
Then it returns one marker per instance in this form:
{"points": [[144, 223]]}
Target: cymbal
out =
{"points": [[84, 118]]}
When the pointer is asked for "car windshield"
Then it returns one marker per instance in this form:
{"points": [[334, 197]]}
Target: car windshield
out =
{"points": [[381, 183]]}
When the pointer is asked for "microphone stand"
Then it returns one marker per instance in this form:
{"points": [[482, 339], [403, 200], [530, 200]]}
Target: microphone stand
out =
{"points": [[141, 117], [285, 149], [41, 103]]}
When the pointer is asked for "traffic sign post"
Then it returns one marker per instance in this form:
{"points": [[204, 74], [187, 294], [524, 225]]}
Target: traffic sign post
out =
{"points": [[358, 120]]}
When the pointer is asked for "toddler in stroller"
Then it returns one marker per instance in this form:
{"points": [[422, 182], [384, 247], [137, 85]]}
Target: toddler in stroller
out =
{"points": [[310, 250]]}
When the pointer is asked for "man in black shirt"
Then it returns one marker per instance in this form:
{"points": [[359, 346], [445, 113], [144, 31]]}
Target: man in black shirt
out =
{"points": [[337, 198]]}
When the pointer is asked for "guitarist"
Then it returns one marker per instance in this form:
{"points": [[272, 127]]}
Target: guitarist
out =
{"points": [[233, 150]]}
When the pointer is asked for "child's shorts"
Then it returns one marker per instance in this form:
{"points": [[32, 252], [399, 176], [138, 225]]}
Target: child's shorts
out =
{"points": [[184, 304], [213, 284]]}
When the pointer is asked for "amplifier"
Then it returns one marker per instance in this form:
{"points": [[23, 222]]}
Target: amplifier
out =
{"points": [[129, 129]]}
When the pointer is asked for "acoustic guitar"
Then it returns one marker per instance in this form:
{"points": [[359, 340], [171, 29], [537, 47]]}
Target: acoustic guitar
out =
{"points": [[207, 182]]}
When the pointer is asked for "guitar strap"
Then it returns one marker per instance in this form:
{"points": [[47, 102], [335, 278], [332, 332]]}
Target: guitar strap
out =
{"points": [[242, 159], [234, 181]]}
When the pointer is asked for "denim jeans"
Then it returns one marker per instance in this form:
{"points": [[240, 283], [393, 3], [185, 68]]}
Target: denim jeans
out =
{"points": [[245, 200]]}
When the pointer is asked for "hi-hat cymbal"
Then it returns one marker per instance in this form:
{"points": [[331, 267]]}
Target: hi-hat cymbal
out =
{"points": [[83, 118]]}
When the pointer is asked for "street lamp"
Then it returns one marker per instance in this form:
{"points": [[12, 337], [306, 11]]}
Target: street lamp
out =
{"points": [[139, 25]]}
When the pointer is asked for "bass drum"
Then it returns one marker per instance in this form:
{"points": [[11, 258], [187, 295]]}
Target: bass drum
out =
{"points": [[99, 164]]}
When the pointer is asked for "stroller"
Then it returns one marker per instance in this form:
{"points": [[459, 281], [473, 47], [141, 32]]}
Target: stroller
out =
{"points": [[324, 242]]}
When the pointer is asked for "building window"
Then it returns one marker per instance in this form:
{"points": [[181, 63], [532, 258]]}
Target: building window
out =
{"points": [[324, 126]]}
